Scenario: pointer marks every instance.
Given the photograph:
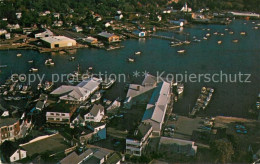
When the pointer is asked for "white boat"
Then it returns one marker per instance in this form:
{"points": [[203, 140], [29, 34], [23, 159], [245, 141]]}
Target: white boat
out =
{"points": [[197, 40], [181, 51], [180, 89], [47, 85], [138, 53], [186, 42], [208, 34], [97, 96], [34, 70], [255, 27], [106, 84], [219, 42], [39, 86], [131, 59], [215, 33], [205, 38], [226, 29], [19, 55], [90, 68], [231, 32], [242, 33], [30, 61], [222, 34], [235, 41], [49, 62], [72, 58], [3, 66]]}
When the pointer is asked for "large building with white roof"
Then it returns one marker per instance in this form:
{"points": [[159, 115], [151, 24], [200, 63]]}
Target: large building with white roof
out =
{"points": [[58, 41]]}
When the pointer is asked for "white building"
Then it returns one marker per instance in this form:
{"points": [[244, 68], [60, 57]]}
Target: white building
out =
{"points": [[43, 33], [157, 106], [178, 23], [185, 8], [77, 29], [96, 114], [139, 33], [18, 15], [135, 143], [2, 31], [119, 17], [12, 153]]}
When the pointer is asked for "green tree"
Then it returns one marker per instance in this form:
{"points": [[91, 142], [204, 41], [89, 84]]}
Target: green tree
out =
{"points": [[223, 150]]}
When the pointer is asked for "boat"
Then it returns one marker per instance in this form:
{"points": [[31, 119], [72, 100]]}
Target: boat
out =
{"points": [[231, 32], [226, 29], [242, 33], [235, 41], [131, 59], [208, 34], [255, 27], [215, 33], [197, 40], [180, 89], [222, 34], [106, 84], [181, 51], [186, 42], [49, 62], [19, 55], [205, 38], [97, 96], [47, 85], [39, 86], [3, 66], [34, 70], [90, 68], [138, 53], [30, 61], [219, 42], [72, 58]]}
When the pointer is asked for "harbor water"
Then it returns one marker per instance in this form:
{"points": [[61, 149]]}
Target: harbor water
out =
{"points": [[207, 56]]}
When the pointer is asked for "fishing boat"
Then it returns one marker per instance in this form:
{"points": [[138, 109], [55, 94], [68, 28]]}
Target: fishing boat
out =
{"points": [[181, 51], [131, 59], [47, 85], [72, 58], [30, 61], [34, 70], [138, 53], [19, 55], [180, 89], [49, 62], [219, 42], [97, 96], [242, 33], [107, 83], [235, 41]]}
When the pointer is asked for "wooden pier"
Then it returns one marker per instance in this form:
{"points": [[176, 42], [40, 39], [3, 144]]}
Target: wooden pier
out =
{"points": [[165, 37]]}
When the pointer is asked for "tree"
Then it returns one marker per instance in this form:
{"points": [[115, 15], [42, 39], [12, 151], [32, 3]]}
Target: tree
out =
{"points": [[223, 150]]}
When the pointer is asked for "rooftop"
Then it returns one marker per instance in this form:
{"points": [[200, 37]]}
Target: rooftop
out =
{"points": [[8, 121], [54, 39], [106, 34], [96, 108]]}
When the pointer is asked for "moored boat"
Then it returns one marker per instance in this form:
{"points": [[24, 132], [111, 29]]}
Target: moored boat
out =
{"points": [[181, 51], [243, 33], [97, 96], [107, 83], [235, 41], [34, 70], [219, 42], [138, 53], [72, 58], [47, 85], [19, 55], [131, 59], [49, 62], [180, 89], [30, 61]]}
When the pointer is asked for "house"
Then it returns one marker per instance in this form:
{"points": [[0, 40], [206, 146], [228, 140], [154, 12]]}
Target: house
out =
{"points": [[113, 108], [50, 144], [79, 93], [185, 8], [96, 114], [12, 152], [168, 146], [7, 36], [59, 113], [58, 41], [56, 15], [41, 103], [93, 154], [140, 93], [13, 26], [136, 142], [139, 33], [119, 17], [57, 23], [42, 33], [115, 158], [108, 37], [93, 132], [2, 31], [157, 106], [107, 24], [18, 15], [9, 129], [77, 29], [90, 40]]}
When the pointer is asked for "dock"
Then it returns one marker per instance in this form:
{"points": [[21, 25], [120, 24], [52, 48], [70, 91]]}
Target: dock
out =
{"points": [[165, 37]]}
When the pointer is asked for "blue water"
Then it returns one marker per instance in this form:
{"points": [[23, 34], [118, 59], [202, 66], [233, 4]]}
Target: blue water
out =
{"points": [[230, 99]]}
